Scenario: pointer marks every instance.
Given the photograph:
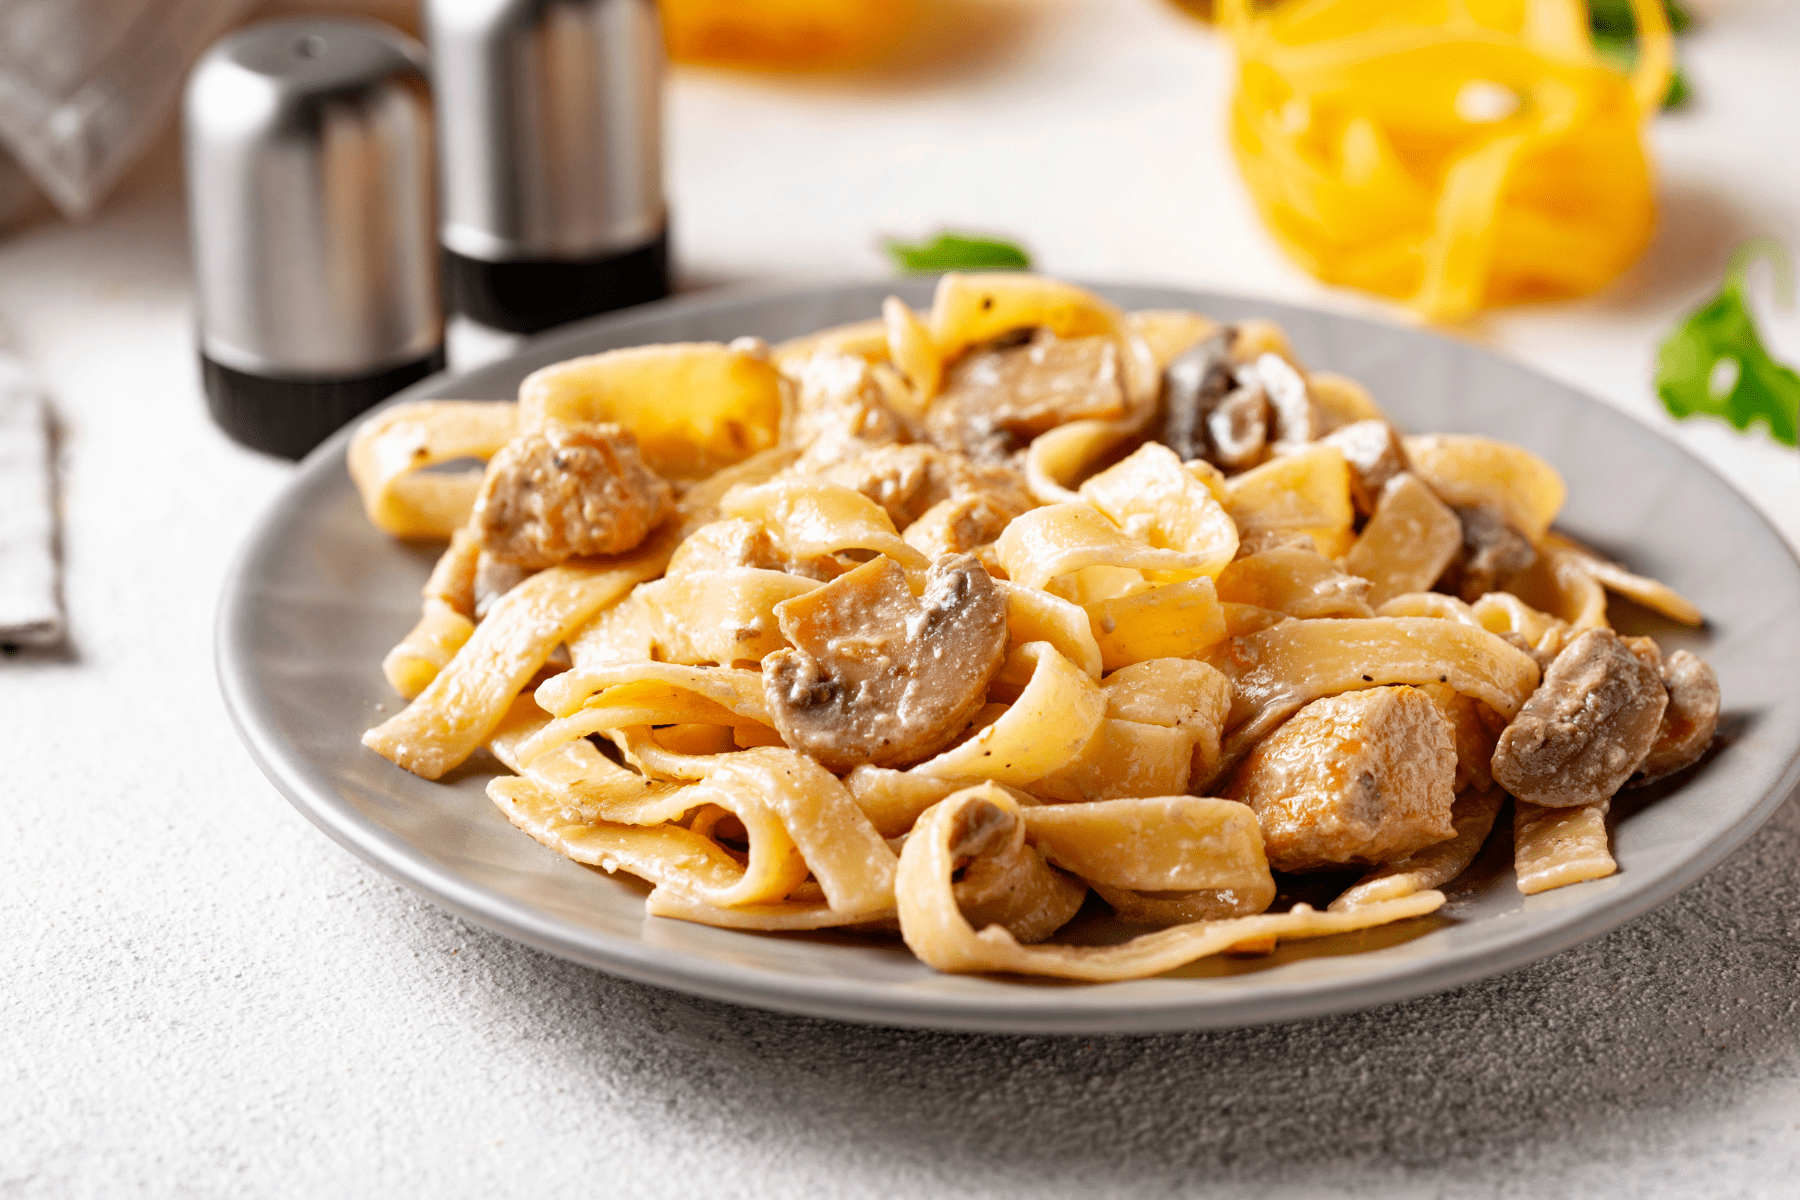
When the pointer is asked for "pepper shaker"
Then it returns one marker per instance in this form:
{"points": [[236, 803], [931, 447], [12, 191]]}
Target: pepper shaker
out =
{"points": [[550, 134], [312, 201]]}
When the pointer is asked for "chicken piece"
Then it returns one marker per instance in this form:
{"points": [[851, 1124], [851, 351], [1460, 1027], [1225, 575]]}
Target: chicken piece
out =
{"points": [[1375, 454], [958, 526], [567, 490], [909, 480], [841, 412], [900, 478], [1363, 777], [1491, 550], [877, 676], [1589, 725], [995, 400], [1688, 723]]}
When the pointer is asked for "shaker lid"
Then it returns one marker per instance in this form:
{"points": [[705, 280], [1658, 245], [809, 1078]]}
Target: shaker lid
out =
{"points": [[311, 197], [550, 126]]}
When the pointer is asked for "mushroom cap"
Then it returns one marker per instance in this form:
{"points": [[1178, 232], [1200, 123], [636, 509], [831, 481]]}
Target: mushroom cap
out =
{"points": [[878, 676]]}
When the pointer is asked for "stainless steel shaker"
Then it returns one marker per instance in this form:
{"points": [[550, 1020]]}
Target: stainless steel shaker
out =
{"points": [[311, 196], [550, 135]]}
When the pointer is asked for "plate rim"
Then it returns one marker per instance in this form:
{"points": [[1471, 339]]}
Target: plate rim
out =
{"points": [[1022, 1009]]}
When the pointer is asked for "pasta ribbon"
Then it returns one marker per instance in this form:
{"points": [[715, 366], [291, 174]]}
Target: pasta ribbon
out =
{"points": [[1177, 620], [1652, 594], [970, 309], [695, 407], [662, 854], [462, 705], [1465, 469], [1451, 156], [1058, 459], [809, 517], [1155, 844], [617, 695], [1305, 492], [581, 779], [1472, 815], [445, 623], [1037, 616], [1053, 718], [1554, 847], [936, 929], [1153, 499], [1063, 538], [1284, 668], [1122, 759], [389, 452], [912, 352]]}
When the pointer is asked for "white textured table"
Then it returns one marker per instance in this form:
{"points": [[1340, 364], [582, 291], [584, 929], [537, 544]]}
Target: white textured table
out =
{"points": [[202, 995]]}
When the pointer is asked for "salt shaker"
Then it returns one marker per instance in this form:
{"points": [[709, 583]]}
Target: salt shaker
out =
{"points": [[312, 200], [550, 135]]}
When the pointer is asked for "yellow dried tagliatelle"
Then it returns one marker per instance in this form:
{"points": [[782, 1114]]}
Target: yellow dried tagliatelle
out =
{"points": [[1018, 615], [1449, 155]]}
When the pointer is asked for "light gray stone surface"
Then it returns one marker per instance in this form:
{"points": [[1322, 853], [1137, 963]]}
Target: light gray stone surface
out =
{"points": [[202, 996]]}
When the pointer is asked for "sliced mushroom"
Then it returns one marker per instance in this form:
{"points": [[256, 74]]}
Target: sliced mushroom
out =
{"points": [[1492, 550], [566, 490], [1375, 454], [1193, 385], [1589, 725], [877, 676], [1363, 777], [1237, 429], [1294, 418], [1688, 723], [995, 400], [1002, 880]]}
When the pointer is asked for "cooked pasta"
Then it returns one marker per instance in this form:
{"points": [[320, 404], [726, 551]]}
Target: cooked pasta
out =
{"points": [[953, 624]]}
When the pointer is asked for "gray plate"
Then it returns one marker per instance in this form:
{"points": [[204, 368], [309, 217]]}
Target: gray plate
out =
{"points": [[318, 596]]}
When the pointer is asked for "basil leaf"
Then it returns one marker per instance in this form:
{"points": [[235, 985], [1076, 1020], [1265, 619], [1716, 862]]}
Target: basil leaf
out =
{"points": [[956, 252], [1714, 363], [1614, 16], [1621, 51]]}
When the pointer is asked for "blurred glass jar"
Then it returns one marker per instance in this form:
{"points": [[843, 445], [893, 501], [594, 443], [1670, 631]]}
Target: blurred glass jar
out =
{"points": [[784, 34], [1450, 155]]}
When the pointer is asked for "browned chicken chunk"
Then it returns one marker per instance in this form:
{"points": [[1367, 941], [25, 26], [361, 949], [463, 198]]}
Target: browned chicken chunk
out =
{"points": [[1586, 729], [996, 400], [1363, 778], [840, 411], [877, 676], [909, 480], [1375, 454], [568, 490], [1690, 720]]}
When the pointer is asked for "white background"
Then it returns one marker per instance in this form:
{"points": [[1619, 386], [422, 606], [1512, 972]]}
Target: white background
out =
{"points": [[202, 995]]}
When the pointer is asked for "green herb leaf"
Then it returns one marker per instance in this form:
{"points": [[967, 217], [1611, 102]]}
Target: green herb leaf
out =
{"points": [[1621, 51], [1614, 16], [1714, 363], [956, 252]]}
